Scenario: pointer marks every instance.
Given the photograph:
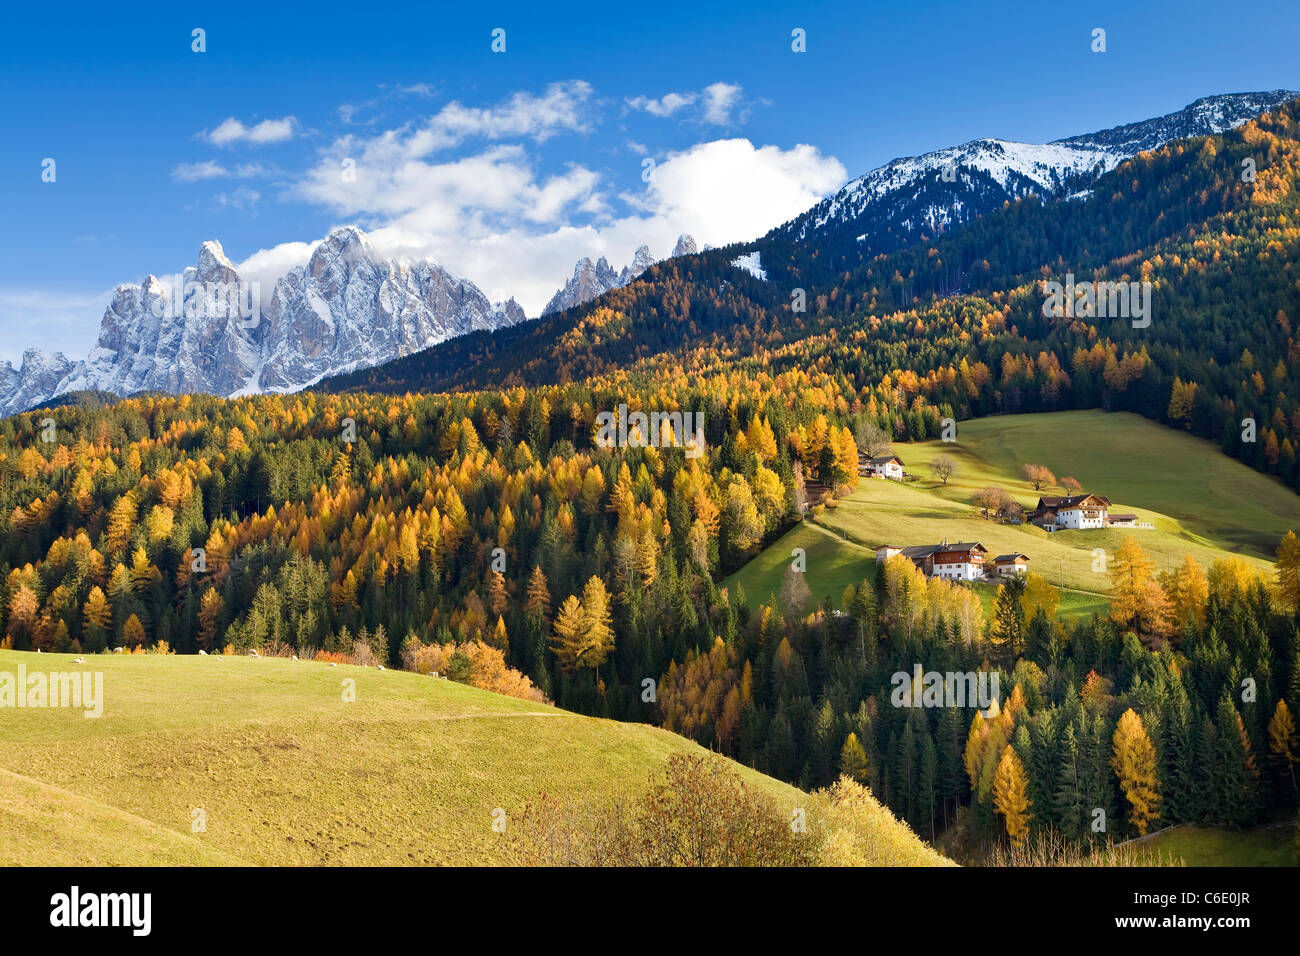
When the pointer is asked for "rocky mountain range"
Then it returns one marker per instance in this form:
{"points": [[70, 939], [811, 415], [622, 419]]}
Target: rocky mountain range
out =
{"points": [[207, 330], [590, 280]]}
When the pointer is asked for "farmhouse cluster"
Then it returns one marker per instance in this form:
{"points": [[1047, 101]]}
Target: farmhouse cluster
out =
{"points": [[969, 560], [960, 561]]}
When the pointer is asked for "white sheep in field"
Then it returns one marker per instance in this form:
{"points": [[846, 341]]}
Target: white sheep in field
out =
{"points": [[202, 652], [79, 660], [332, 664], [295, 657], [381, 667]]}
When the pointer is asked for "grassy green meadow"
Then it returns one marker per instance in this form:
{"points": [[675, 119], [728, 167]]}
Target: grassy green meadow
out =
{"points": [[1199, 846], [1201, 502], [289, 774]]}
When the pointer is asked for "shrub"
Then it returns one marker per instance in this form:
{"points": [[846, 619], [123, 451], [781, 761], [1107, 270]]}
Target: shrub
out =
{"points": [[363, 655], [861, 831], [697, 812]]}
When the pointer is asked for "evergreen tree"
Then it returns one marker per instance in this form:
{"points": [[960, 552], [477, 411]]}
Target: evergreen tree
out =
{"points": [[1070, 805], [1181, 751], [1233, 777], [1007, 631]]}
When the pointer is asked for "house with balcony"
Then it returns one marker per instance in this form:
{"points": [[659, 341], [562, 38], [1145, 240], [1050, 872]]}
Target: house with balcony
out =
{"points": [[962, 561], [881, 466], [1071, 512]]}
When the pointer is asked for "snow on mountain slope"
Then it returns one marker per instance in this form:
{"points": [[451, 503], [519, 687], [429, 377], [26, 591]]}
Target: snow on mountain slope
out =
{"points": [[348, 309], [751, 263], [33, 381], [937, 190], [1207, 116], [206, 330], [1014, 169]]}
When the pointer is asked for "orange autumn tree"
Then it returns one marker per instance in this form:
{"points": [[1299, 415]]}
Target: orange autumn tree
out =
{"points": [[1137, 599]]}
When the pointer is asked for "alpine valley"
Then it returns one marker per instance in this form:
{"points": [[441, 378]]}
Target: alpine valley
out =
{"points": [[910, 469]]}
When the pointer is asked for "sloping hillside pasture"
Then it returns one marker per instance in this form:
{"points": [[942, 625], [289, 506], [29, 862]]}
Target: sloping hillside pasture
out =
{"points": [[1187, 484], [1201, 502], [286, 772]]}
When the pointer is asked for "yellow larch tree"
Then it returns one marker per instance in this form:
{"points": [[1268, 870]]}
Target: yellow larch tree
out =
{"points": [[1283, 743], [1011, 795], [1134, 761]]}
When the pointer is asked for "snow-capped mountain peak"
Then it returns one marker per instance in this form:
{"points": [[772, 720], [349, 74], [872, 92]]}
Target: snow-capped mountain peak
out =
{"points": [[207, 330], [922, 194], [590, 280], [213, 266], [685, 246], [641, 261]]}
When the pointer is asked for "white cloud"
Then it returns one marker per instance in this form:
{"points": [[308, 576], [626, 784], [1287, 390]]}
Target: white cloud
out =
{"points": [[268, 131], [716, 103], [563, 107], [729, 190], [719, 100], [208, 169], [242, 199], [495, 186], [666, 105], [266, 266], [423, 90], [195, 172], [348, 112], [492, 218]]}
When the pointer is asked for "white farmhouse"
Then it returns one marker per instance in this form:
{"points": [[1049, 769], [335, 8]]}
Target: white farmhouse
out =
{"points": [[1008, 565], [1074, 512], [963, 561], [881, 466]]}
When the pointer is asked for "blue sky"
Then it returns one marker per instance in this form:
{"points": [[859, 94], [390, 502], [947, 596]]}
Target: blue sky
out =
{"points": [[507, 167]]}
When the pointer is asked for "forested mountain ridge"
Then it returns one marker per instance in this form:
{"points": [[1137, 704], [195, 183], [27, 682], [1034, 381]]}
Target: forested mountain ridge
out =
{"points": [[1218, 245], [916, 196]]}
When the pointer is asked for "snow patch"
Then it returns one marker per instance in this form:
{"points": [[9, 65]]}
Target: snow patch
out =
{"points": [[752, 264]]}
